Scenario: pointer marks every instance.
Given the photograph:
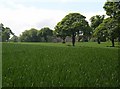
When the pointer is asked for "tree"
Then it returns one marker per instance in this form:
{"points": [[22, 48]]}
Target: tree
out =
{"points": [[5, 33], [85, 31], [39, 35], [60, 32], [113, 10], [29, 35], [70, 25], [95, 22], [1, 29], [108, 28], [14, 39], [46, 32], [33, 35], [24, 37]]}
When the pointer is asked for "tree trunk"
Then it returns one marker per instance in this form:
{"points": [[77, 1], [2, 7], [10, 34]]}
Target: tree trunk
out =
{"points": [[119, 38], [73, 39], [98, 40], [45, 38], [63, 40], [79, 38], [113, 45]]}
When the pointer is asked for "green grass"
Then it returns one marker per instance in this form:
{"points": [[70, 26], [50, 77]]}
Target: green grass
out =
{"points": [[57, 65], [80, 44], [0, 65]]}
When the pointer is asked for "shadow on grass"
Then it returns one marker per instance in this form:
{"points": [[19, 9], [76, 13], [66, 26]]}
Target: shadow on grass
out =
{"points": [[114, 46]]}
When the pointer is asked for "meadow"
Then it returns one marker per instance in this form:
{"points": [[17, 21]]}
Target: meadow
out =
{"points": [[0, 65], [88, 64]]}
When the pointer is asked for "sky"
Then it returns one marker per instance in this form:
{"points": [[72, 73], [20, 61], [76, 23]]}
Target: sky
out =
{"points": [[21, 15]]}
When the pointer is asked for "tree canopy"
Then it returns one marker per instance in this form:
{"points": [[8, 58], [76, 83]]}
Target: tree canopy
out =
{"points": [[5, 33], [95, 22], [46, 32], [71, 24], [108, 28], [29, 35], [34, 35], [113, 25], [112, 9]]}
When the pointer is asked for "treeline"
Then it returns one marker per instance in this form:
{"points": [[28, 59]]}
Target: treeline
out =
{"points": [[76, 27], [34, 35]]}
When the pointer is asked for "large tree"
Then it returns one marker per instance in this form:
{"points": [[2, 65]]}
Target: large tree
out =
{"points": [[71, 24], [108, 28], [95, 22], [113, 10]]}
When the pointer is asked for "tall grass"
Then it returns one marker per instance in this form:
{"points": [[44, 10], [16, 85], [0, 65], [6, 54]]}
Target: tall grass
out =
{"points": [[57, 65]]}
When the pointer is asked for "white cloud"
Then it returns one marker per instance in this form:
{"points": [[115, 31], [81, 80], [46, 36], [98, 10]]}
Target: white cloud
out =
{"points": [[65, 1], [58, 1], [19, 17], [25, 18]]}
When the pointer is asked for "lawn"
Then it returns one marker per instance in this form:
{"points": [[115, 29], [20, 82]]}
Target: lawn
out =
{"points": [[59, 65]]}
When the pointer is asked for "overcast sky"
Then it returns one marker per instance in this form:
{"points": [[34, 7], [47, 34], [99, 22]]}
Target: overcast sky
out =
{"points": [[21, 15]]}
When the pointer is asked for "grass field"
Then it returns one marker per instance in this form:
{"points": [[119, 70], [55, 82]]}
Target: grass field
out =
{"points": [[0, 65], [59, 65]]}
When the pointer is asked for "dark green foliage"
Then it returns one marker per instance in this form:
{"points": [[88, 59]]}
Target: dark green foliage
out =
{"points": [[5, 33], [113, 10], [71, 24], [14, 39], [29, 35], [45, 32], [34, 35], [109, 29], [95, 22]]}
